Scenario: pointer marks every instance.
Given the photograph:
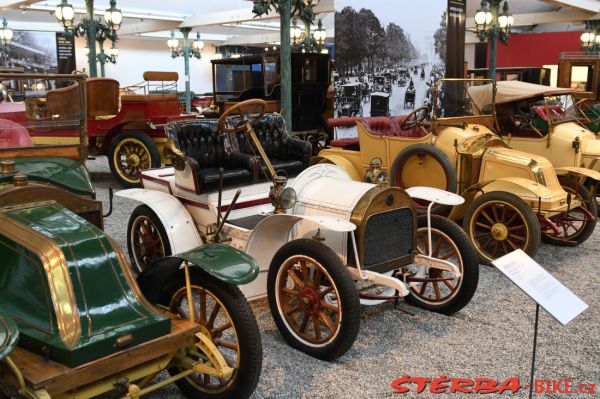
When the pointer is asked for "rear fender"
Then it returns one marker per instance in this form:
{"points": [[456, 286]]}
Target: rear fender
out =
{"points": [[178, 223], [223, 262], [326, 156], [585, 175], [275, 231], [110, 135]]}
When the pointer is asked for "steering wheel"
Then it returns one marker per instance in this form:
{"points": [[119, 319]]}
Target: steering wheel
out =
{"points": [[241, 115], [415, 118]]}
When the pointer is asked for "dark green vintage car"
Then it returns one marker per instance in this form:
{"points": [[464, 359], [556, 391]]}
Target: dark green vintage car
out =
{"points": [[75, 323]]}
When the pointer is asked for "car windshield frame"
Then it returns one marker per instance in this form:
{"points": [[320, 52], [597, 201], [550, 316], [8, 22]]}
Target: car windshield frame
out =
{"points": [[475, 113], [566, 114], [80, 122]]}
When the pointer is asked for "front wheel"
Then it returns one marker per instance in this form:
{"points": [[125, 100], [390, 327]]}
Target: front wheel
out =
{"points": [[147, 239], [313, 299], [578, 224], [439, 292], [129, 154], [224, 314], [498, 223]]}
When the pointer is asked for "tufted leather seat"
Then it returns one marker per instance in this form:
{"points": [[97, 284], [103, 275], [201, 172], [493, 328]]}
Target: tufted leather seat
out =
{"points": [[380, 126], [414, 132], [286, 153], [206, 150]]}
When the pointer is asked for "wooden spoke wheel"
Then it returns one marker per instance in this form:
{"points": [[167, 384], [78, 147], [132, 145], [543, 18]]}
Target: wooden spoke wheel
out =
{"points": [[578, 224], [129, 154], [224, 315], [498, 223], [313, 299], [436, 289], [147, 239]]}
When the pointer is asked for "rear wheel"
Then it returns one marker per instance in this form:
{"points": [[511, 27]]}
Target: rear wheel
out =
{"points": [[129, 153], [147, 239], [313, 299], [440, 292], [225, 316], [424, 165], [579, 224], [498, 223]]}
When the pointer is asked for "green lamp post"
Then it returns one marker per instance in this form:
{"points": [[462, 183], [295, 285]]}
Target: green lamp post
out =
{"points": [[186, 51], [93, 30], [491, 25], [287, 9], [6, 35]]}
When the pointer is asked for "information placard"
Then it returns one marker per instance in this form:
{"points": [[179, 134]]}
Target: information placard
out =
{"points": [[541, 286]]}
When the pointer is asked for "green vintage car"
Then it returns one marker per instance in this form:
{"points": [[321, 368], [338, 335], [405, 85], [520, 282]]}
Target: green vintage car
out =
{"points": [[74, 322]]}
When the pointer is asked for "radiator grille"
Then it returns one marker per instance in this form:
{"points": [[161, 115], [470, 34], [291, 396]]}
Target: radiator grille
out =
{"points": [[388, 236]]}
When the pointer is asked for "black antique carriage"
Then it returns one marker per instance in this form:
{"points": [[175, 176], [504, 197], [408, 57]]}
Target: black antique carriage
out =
{"points": [[258, 76], [380, 104], [409, 98], [350, 103], [381, 84]]}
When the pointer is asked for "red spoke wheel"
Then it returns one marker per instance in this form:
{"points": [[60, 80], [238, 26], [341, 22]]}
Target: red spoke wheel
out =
{"points": [[440, 292], [147, 239], [578, 224], [224, 315], [313, 299], [498, 223]]}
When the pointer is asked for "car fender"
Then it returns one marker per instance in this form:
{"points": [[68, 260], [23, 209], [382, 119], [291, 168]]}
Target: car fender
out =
{"points": [[584, 173], [178, 223], [339, 160], [523, 188], [223, 262], [9, 335], [275, 231]]}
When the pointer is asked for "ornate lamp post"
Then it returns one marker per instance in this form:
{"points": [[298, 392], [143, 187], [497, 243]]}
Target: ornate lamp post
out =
{"points": [[286, 9], [590, 39], [319, 35], [195, 50], [492, 25], [6, 35], [93, 30]]}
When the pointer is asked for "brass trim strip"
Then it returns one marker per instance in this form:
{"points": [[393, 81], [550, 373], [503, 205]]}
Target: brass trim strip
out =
{"points": [[57, 272]]}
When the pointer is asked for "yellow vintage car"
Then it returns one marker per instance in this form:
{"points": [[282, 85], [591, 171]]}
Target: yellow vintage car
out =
{"points": [[546, 121], [512, 198]]}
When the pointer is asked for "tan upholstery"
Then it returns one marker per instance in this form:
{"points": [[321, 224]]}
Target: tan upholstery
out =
{"points": [[158, 76], [64, 103], [102, 97]]}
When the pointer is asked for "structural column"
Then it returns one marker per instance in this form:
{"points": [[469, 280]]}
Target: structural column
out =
{"points": [[91, 37], [286, 62], [186, 60]]}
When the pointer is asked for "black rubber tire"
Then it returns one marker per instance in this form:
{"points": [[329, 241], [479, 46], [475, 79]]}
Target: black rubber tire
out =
{"points": [[529, 218], [441, 158], [151, 148], [591, 205], [349, 300], [248, 336], [146, 212], [467, 284]]}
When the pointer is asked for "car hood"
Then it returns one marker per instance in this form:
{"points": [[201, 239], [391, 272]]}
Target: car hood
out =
{"points": [[591, 148]]}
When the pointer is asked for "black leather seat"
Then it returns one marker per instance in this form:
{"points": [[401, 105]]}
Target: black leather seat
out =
{"points": [[286, 153], [206, 151]]}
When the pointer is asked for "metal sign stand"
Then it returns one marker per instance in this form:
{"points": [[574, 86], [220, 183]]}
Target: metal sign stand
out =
{"points": [[535, 334]]}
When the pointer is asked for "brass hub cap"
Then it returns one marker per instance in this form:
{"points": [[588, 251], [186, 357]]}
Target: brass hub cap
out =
{"points": [[133, 160], [499, 232]]}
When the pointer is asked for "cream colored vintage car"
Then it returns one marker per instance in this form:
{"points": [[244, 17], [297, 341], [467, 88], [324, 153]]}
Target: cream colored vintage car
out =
{"points": [[512, 198], [546, 121]]}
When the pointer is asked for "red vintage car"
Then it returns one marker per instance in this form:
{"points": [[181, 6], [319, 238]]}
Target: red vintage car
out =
{"points": [[125, 124]]}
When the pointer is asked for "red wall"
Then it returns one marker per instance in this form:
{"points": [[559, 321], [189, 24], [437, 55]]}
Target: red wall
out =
{"points": [[536, 49]]}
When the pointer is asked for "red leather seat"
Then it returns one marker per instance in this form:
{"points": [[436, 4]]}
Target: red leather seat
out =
{"points": [[540, 110], [380, 126], [415, 132], [13, 135], [344, 143]]}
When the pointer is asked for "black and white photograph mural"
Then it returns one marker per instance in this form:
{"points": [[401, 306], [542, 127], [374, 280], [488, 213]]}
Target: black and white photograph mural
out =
{"points": [[387, 56], [34, 52]]}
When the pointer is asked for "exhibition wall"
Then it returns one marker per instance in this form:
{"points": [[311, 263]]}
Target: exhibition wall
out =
{"points": [[137, 55]]}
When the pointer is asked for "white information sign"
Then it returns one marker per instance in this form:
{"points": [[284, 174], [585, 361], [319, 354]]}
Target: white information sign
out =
{"points": [[541, 286]]}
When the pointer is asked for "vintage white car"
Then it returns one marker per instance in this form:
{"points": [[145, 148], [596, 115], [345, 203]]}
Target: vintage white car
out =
{"points": [[316, 237]]}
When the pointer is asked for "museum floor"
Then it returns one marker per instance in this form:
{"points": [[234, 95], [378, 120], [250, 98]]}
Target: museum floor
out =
{"points": [[490, 338]]}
